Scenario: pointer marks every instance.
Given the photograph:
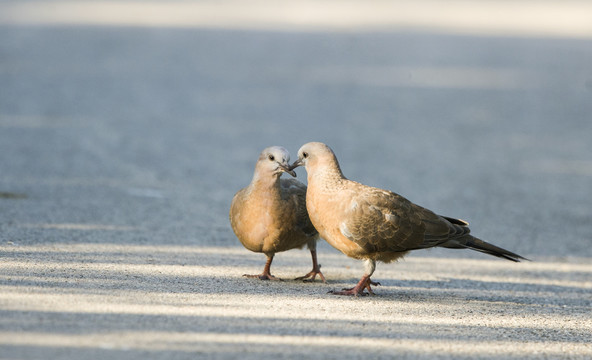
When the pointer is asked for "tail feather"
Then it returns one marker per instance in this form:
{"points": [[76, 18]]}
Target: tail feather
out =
{"points": [[474, 243]]}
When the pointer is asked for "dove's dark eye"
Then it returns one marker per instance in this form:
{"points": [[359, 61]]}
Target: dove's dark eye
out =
{"points": [[305, 155], [271, 157]]}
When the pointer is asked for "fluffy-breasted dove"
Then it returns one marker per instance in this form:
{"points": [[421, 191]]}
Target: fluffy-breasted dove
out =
{"points": [[269, 215], [372, 224]]}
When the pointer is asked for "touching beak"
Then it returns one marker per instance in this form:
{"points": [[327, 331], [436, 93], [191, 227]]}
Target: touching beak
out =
{"points": [[288, 169], [296, 163]]}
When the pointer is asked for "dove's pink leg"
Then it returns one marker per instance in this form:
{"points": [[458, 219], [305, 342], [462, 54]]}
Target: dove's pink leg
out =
{"points": [[316, 270], [364, 283], [358, 290], [266, 274]]}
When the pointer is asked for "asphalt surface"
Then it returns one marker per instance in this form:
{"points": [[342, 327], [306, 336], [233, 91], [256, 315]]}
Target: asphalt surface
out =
{"points": [[121, 148]]}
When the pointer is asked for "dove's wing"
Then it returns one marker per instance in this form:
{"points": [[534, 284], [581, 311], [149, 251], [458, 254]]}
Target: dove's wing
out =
{"points": [[295, 192], [384, 221]]}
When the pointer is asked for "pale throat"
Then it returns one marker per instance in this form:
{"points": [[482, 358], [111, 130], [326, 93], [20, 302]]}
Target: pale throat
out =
{"points": [[327, 177], [265, 181]]}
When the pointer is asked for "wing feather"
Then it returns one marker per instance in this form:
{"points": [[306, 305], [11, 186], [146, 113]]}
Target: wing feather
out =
{"points": [[385, 221], [295, 191]]}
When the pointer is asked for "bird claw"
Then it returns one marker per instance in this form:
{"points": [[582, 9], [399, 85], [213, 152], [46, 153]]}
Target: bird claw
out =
{"points": [[263, 277], [310, 277], [358, 290], [349, 292]]}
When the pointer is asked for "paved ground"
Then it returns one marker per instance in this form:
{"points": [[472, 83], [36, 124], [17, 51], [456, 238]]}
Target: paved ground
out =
{"points": [[122, 146]]}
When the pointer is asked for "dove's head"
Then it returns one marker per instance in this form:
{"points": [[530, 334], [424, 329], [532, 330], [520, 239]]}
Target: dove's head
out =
{"points": [[316, 156], [274, 160]]}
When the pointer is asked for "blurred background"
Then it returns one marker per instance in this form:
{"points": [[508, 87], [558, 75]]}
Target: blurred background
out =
{"points": [[150, 115]]}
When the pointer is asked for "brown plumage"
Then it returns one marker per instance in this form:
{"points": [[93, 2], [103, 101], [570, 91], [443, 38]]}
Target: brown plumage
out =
{"points": [[269, 215], [373, 224]]}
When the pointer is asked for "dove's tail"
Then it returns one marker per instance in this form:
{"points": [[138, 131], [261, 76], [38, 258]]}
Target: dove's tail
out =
{"points": [[474, 243]]}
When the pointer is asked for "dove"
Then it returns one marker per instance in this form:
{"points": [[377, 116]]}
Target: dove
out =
{"points": [[372, 224], [269, 215]]}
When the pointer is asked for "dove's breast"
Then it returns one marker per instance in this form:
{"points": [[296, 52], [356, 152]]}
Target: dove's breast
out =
{"points": [[326, 208], [264, 222]]}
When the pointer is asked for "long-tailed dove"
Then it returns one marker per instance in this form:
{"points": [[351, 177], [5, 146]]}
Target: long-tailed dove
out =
{"points": [[269, 215], [372, 224]]}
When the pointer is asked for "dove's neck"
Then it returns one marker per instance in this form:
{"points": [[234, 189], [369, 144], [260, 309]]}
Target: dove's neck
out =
{"points": [[265, 182], [326, 173]]}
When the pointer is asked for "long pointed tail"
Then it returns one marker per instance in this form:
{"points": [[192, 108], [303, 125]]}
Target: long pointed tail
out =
{"points": [[474, 243]]}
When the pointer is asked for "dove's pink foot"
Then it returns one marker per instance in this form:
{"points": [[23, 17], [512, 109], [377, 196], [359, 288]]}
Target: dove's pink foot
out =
{"points": [[266, 274], [310, 277], [263, 276], [358, 290], [316, 270]]}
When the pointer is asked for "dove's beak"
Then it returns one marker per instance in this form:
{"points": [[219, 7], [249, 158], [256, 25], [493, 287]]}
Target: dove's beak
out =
{"points": [[288, 169], [296, 164]]}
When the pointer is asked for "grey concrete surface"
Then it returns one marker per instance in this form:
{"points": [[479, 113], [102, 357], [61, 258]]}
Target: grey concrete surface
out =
{"points": [[121, 148]]}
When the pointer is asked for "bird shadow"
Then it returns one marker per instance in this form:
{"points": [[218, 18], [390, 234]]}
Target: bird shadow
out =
{"points": [[451, 289]]}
